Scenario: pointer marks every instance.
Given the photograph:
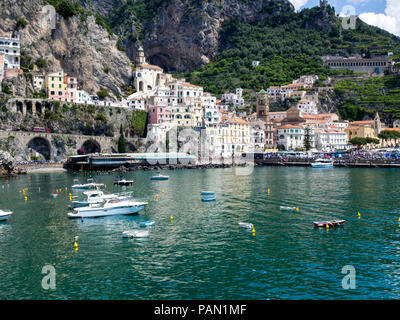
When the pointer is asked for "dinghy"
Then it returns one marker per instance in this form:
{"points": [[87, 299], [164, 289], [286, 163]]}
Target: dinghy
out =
{"points": [[330, 223], [212, 198], [246, 225], [288, 208], [147, 223], [123, 182], [135, 234], [4, 215], [207, 193]]}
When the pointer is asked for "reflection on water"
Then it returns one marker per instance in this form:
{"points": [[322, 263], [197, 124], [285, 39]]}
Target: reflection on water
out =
{"points": [[203, 253]]}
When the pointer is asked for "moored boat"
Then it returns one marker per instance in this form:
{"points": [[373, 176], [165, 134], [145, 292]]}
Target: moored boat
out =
{"points": [[329, 223], [123, 182], [246, 225], [135, 234], [4, 215], [109, 207], [96, 197], [322, 163], [159, 176], [211, 198], [207, 193], [283, 208], [91, 184], [147, 223]]}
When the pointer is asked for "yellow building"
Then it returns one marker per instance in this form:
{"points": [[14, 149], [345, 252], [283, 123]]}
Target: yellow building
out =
{"points": [[55, 86], [365, 128]]}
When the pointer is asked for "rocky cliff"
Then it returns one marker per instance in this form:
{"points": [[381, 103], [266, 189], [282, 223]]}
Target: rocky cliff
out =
{"points": [[78, 45]]}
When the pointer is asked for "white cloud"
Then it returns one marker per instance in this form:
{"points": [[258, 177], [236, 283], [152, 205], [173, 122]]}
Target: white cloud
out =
{"points": [[389, 21], [298, 3]]}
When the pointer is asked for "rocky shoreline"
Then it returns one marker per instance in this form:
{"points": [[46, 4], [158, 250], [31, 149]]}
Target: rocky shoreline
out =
{"points": [[8, 166]]}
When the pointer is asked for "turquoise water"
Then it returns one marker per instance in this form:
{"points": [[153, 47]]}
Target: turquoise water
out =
{"points": [[203, 253]]}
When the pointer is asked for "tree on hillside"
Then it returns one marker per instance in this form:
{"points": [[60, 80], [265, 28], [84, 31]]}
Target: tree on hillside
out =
{"points": [[307, 139], [121, 141]]}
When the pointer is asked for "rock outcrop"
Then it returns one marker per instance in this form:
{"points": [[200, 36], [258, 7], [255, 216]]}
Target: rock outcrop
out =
{"points": [[78, 45]]}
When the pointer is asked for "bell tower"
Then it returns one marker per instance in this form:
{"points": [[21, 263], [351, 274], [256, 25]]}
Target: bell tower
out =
{"points": [[262, 108], [140, 59]]}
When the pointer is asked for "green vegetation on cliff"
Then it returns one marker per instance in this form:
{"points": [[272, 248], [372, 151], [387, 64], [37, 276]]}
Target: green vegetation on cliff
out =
{"points": [[288, 46], [363, 97]]}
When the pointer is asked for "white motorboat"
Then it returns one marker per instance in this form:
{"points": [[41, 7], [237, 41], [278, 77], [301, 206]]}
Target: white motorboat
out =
{"points": [[135, 234], [109, 207], [91, 184], [322, 163], [97, 197], [4, 215]]}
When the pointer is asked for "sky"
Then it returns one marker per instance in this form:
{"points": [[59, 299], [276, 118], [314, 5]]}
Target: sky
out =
{"points": [[384, 14]]}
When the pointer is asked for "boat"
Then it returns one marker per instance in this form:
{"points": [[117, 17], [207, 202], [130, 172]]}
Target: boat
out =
{"points": [[246, 225], [109, 207], [91, 184], [4, 215], [123, 182], [96, 197], [207, 193], [135, 234], [147, 223], [322, 163], [159, 176], [211, 198], [288, 208], [330, 223]]}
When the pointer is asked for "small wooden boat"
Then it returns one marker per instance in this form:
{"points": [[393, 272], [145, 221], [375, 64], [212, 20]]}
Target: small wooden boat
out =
{"points": [[147, 223], [4, 215], [207, 193], [288, 208], [330, 223], [123, 182], [212, 198], [159, 176], [246, 225], [135, 234]]}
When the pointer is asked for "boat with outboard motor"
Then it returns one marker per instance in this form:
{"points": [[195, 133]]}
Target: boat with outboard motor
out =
{"points": [[159, 176]]}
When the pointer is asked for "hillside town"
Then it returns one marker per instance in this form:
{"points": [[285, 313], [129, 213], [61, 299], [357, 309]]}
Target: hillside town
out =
{"points": [[173, 102]]}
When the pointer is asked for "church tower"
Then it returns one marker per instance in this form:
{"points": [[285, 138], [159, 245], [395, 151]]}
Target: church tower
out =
{"points": [[262, 108], [140, 59]]}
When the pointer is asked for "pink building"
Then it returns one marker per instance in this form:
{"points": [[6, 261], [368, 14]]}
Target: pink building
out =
{"points": [[159, 115], [71, 84]]}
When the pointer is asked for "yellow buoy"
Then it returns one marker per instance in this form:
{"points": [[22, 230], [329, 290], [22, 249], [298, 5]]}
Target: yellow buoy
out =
{"points": [[399, 220], [359, 215], [269, 191], [327, 226], [172, 218], [297, 209], [105, 186], [163, 191], [75, 245], [26, 198]]}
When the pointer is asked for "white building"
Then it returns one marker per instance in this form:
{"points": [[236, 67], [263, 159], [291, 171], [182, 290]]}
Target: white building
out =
{"points": [[306, 106], [39, 82], [234, 99], [255, 63], [10, 47], [331, 140], [292, 137], [212, 115], [308, 80], [83, 97]]}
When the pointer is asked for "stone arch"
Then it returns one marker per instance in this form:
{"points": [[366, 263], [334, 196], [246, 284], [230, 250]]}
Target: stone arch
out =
{"points": [[91, 146], [162, 59], [39, 107], [41, 146], [20, 107]]}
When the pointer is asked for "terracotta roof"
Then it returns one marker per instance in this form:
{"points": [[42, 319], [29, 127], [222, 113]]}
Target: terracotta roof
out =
{"points": [[363, 122], [150, 66], [237, 120], [189, 85], [289, 126], [392, 129]]}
